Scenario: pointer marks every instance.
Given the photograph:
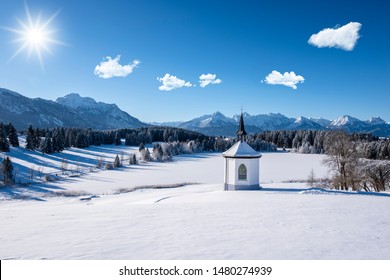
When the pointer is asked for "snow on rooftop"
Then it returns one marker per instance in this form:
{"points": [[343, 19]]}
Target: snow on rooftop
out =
{"points": [[241, 149]]}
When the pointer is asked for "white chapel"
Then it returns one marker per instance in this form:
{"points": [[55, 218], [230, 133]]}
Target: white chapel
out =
{"points": [[241, 164]]}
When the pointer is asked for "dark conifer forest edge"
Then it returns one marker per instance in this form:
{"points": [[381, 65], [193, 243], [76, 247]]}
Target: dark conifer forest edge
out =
{"points": [[51, 140]]}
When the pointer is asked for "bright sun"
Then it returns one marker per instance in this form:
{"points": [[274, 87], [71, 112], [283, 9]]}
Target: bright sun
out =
{"points": [[34, 35]]}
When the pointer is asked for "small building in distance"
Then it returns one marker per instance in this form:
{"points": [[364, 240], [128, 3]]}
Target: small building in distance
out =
{"points": [[242, 164]]}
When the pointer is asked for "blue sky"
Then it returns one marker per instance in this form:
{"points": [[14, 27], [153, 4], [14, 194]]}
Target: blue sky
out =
{"points": [[239, 43]]}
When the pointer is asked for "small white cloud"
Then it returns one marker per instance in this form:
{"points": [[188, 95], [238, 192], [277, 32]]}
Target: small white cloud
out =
{"points": [[344, 37], [170, 82], [287, 79], [109, 68], [206, 79]]}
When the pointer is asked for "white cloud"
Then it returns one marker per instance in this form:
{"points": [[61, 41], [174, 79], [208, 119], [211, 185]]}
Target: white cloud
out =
{"points": [[206, 79], [344, 37], [287, 79], [109, 68], [170, 82]]}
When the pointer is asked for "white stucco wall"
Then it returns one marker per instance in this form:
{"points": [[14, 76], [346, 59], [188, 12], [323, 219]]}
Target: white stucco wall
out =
{"points": [[231, 171]]}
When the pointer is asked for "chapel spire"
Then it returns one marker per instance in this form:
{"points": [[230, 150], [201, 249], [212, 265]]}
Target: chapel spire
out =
{"points": [[241, 129]]}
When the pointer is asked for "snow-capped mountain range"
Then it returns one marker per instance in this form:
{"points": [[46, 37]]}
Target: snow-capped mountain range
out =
{"points": [[73, 110], [218, 124]]}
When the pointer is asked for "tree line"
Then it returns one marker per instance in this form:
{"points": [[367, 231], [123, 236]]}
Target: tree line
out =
{"points": [[313, 142], [54, 140]]}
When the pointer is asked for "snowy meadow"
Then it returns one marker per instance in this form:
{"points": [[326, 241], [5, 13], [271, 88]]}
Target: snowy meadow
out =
{"points": [[178, 210]]}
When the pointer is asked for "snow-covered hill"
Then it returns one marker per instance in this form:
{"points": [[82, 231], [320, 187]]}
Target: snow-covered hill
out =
{"points": [[196, 221]]}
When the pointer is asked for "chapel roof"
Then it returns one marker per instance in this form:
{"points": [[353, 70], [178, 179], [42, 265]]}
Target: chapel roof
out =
{"points": [[241, 150]]}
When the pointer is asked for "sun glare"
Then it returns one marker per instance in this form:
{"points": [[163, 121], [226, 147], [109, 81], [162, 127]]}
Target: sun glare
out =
{"points": [[34, 35]]}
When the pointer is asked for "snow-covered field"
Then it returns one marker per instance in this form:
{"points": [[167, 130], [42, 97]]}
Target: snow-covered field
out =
{"points": [[197, 221]]}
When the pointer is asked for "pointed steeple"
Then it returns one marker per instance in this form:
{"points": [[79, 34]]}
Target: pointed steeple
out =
{"points": [[241, 129]]}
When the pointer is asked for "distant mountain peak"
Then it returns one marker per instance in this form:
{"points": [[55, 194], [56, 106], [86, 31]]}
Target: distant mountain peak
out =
{"points": [[376, 121], [74, 100], [345, 120], [301, 119]]}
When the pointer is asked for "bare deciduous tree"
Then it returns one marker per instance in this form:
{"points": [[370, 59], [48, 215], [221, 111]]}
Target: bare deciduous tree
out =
{"points": [[376, 175], [311, 179], [343, 158]]}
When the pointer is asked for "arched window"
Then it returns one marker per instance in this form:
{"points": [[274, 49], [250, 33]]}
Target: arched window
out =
{"points": [[242, 172]]}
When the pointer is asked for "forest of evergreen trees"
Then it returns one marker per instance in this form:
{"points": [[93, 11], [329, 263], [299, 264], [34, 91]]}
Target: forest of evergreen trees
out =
{"points": [[53, 140], [302, 141]]}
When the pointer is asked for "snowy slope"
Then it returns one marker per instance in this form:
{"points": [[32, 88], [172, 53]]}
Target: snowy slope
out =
{"points": [[283, 221], [198, 222]]}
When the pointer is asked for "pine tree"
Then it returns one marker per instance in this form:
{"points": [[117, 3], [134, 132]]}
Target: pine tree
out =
{"points": [[141, 147], [158, 152], [80, 141], [146, 155], [58, 141], [7, 171], [47, 145], [117, 162], [68, 138], [30, 139], [165, 135], [118, 139], [37, 138], [4, 145], [13, 136], [133, 159], [127, 139]]}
